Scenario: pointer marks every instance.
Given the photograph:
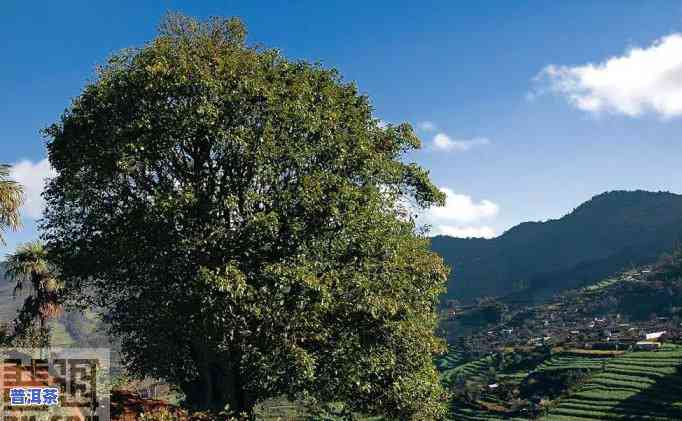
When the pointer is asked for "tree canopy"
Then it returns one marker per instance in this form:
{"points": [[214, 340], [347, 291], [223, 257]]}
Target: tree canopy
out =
{"points": [[244, 221]]}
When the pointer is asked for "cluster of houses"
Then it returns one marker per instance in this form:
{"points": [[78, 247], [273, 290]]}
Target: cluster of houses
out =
{"points": [[599, 333], [569, 321]]}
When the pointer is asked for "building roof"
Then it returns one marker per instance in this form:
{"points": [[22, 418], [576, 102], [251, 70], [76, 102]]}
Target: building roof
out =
{"points": [[655, 335]]}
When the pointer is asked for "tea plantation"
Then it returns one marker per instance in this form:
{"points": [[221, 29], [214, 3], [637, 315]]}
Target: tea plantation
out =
{"points": [[636, 385]]}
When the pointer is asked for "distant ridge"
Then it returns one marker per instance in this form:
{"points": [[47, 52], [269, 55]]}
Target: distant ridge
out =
{"points": [[604, 235]]}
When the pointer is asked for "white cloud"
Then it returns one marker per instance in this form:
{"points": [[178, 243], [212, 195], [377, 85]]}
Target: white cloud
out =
{"points": [[444, 142], [32, 177], [642, 80], [461, 216], [427, 126], [462, 208]]}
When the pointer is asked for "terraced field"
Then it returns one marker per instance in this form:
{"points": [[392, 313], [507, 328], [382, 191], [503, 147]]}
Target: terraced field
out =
{"points": [[473, 370], [454, 358], [601, 284], [631, 386], [634, 386], [460, 413], [567, 360]]}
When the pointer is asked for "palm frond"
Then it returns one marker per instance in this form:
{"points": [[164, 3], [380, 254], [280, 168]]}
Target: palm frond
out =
{"points": [[11, 199], [30, 269], [27, 265]]}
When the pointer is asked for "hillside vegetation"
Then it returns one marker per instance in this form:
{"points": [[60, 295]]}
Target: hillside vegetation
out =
{"points": [[611, 350], [534, 259]]}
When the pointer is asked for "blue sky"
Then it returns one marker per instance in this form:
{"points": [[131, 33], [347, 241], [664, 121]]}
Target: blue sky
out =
{"points": [[526, 109]]}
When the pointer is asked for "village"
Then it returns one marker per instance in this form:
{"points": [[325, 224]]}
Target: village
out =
{"points": [[586, 319]]}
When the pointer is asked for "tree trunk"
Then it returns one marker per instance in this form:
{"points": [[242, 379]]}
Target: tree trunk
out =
{"points": [[219, 384], [206, 390], [229, 389]]}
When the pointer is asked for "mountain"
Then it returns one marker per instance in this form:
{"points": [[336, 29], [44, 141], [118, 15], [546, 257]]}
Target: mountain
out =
{"points": [[604, 235]]}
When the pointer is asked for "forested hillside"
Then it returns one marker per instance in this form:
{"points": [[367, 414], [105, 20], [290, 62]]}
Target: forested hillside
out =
{"points": [[606, 234]]}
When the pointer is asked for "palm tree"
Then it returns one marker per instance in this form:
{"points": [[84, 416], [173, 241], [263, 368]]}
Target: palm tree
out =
{"points": [[11, 198], [30, 269]]}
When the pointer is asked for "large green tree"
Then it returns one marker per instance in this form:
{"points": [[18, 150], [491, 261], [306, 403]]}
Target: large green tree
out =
{"points": [[246, 224], [11, 198]]}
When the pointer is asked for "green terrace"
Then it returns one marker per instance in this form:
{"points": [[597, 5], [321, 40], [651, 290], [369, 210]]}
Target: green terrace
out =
{"points": [[637, 385], [453, 359], [567, 360], [473, 370], [643, 385]]}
